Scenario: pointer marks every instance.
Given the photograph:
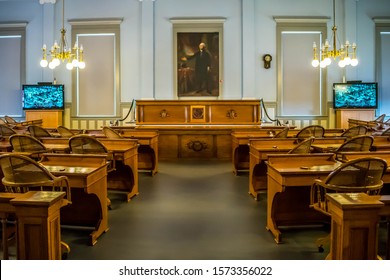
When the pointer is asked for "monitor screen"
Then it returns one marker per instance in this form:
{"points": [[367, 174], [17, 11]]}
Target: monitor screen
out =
{"points": [[43, 97], [355, 95]]}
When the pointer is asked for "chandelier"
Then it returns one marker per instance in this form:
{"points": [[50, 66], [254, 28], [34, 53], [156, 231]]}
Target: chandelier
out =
{"points": [[61, 52], [346, 53]]}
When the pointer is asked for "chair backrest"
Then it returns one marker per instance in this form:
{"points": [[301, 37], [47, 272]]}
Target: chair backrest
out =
{"points": [[381, 118], [38, 131], [386, 132], [6, 130], [303, 147], [2, 121], [10, 120], [355, 131], [22, 174], [111, 133], [355, 176], [64, 131], [316, 131], [26, 143], [85, 144], [283, 133], [358, 143]]}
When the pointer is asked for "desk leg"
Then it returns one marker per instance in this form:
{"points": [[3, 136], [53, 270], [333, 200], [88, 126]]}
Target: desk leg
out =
{"points": [[88, 208], [388, 241], [5, 237], [273, 189], [125, 178], [148, 158], [101, 226], [252, 166]]}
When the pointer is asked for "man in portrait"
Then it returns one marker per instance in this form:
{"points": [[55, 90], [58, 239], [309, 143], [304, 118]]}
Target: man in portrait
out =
{"points": [[202, 68]]}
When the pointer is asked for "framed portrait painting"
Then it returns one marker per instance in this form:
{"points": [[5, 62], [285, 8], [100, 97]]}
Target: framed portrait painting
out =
{"points": [[198, 57]]}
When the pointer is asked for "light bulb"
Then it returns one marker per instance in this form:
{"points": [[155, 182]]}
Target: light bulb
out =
{"points": [[328, 61], [52, 65], [323, 64], [81, 64], [341, 63], [56, 61], [354, 62], [75, 62], [347, 60], [44, 63], [315, 63], [69, 66]]}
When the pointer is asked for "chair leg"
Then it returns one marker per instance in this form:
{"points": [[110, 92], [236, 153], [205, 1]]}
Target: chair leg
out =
{"points": [[109, 204], [65, 250], [320, 242]]}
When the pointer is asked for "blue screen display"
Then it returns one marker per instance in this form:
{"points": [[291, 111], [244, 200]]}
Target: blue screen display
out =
{"points": [[47, 97], [355, 95]]}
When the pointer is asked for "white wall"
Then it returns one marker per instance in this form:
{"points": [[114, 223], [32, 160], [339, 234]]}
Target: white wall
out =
{"points": [[243, 72]]}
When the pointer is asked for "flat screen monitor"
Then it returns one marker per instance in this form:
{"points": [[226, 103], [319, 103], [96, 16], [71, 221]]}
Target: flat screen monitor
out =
{"points": [[355, 95], [43, 97]]}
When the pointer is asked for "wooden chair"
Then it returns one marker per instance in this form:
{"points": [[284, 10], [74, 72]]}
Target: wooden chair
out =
{"points": [[10, 120], [303, 147], [85, 144], [283, 133], [316, 131], [111, 133], [6, 131], [363, 175], [355, 131], [386, 132], [27, 145], [355, 144], [64, 131], [23, 174], [38, 131], [2, 121], [380, 119]]}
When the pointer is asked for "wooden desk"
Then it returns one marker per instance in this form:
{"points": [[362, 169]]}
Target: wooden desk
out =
{"points": [[125, 177], [87, 176], [240, 142], [38, 225], [354, 225], [381, 143], [240, 146], [147, 149], [288, 196], [259, 149], [327, 144]]}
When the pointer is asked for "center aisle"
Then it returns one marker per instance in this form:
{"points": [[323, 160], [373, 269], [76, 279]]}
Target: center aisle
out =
{"points": [[192, 210]]}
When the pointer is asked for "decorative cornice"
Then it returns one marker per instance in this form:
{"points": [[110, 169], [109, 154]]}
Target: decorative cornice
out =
{"points": [[301, 19], [381, 19], [47, 1], [93, 21], [12, 24], [197, 20]]}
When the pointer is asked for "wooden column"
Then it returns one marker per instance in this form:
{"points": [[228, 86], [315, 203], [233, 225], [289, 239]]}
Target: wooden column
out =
{"points": [[38, 225], [354, 226]]}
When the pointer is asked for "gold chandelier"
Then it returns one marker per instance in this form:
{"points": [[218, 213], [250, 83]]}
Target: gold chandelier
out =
{"points": [[61, 52], [346, 56]]}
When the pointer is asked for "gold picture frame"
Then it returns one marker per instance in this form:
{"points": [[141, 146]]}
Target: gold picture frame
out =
{"points": [[195, 74], [198, 114]]}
